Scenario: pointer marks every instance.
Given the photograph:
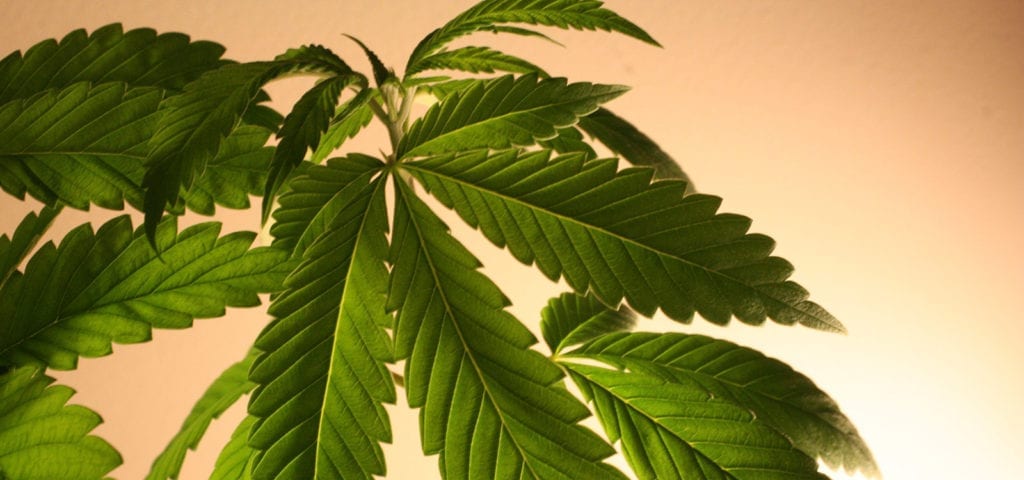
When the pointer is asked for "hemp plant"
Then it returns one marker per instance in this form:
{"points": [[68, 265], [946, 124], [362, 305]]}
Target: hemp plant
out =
{"points": [[370, 293]]}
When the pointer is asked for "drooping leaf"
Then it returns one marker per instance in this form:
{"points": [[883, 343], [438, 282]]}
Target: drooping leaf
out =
{"points": [[678, 431], [302, 129], [140, 58], [350, 118], [623, 139], [42, 438], [219, 396], [490, 406], [381, 73], [571, 319], [621, 236], [109, 286], [779, 397], [503, 112], [489, 14], [476, 60], [322, 381], [235, 459], [13, 250]]}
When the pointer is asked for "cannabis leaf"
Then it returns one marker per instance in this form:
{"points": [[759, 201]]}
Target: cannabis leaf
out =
{"points": [[219, 396], [235, 460], [503, 112], [476, 60], [109, 286], [491, 407], [322, 380], [621, 236], [490, 14], [571, 319], [349, 119], [13, 250], [623, 139], [41, 438]]}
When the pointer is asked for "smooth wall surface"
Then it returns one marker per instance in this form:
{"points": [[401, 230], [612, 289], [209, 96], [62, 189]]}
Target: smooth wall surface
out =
{"points": [[879, 142]]}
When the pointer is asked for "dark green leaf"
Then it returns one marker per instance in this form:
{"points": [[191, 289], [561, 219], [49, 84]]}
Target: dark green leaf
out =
{"points": [[219, 396], [570, 140], [571, 319], [623, 139], [94, 289], [238, 171], [13, 250], [490, 14], [676, 431], [381, 73], [491, 406], [350, 118], [503, 112], [42, 438], [140, 58], [322, 381], [621, 236], [476, 60], [779, 397]]}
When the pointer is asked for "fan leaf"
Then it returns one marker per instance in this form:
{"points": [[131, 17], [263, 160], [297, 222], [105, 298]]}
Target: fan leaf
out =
{"points": [[571, 319], [109, 286], [322, 381], [235, 459], [238, 171], [42, 438], [779, 397], [490, 14], [503, 112], [677, 431], [490, 406], [219, 396], [477, 60], [350, 118], [625, 140], [618, 235], [13, 250]]}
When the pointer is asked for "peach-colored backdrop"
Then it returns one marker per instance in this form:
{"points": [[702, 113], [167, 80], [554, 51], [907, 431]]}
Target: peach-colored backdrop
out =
{"points": [[879, 141]]}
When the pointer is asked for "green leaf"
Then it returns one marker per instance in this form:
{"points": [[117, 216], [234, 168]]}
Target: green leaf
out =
{"points": [[322, 381], [42, 438], [350, 118], [623, 139], [137, 57], [571, 319], [381, 73], [621, 236], [302, 129], [503, 112], [489, 14], [238, 171], [13, 250], [476, 60], [678, 431], [219, 396], [491, 406], [109, 286], [235, 460], [779, 397], [569, 140]]}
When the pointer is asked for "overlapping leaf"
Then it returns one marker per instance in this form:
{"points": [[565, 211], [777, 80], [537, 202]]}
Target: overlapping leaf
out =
{"points": [[476, 60], [235, 459], [779, 397], [625, 140], [42, 438], [322, 381], [491, 14], [503, 112], [350, 118], [621, 236], [140, 58], [491, 407], [571, 319], [13, 250], [678, 431], [238, 171], [219, 396], [109, 286]]}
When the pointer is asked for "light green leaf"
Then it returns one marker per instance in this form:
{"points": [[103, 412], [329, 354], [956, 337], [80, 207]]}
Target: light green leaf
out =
{"points": [[779, 397], [623, 139], [322, 381], [219, 396], [491, 406], [140, 58], [42, 438], [235, 460], [350, 118], [570, 140], [621, 236], [109, 286], [13, 250], [677, 431], [302, 129], [571, 319], [489, 14], [476, 60], [502, 113]]}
